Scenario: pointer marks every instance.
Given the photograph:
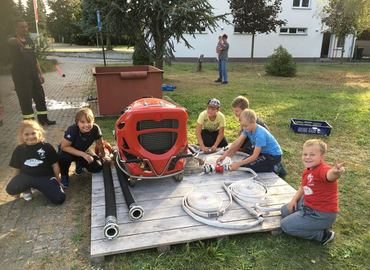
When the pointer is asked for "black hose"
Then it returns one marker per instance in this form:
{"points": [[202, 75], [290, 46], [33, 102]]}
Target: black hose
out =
{"points": [[136, 212], [111, 228]]}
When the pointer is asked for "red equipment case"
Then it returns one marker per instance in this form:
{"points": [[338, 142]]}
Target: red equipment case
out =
{"points": [[151, 137]]}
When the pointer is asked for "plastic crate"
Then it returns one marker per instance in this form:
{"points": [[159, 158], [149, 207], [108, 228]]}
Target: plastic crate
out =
{"points": [[168, 87], [310, 126]]}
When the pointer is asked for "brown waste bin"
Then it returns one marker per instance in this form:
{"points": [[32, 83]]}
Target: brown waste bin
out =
{"points": [[118, 87]]}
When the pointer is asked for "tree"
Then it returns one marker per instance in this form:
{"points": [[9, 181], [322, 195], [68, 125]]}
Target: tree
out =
{"points": [[63, 20], [160, 22], [345, 17], [21, 11], [255, 16]]}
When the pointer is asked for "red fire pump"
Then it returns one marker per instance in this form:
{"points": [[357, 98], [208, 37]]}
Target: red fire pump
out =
{"points": [[152, 141]]}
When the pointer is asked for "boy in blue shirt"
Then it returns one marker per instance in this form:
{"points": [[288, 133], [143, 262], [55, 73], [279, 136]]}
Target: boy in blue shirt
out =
{"points": [[266, 150]]}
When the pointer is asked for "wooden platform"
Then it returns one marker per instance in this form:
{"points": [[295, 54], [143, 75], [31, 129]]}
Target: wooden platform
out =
{"points": [[164, 222]]}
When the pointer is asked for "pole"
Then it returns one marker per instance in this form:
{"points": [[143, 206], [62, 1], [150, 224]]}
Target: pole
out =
{"points": [[101, 33], [102, 47], [35, 9]]}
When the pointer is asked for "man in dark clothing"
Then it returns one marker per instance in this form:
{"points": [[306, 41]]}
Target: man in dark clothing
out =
{"points": [[27, 75]]}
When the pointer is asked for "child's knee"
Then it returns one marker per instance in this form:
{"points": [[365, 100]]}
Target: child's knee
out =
{"points": [[59, 199]]}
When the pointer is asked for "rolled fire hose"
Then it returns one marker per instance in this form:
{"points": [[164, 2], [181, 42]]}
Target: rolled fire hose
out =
{"points": [[111, 229], [204, 205], [135, 212]]}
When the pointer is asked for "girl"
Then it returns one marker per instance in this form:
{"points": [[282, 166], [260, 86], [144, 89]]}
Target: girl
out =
{"points": [[77, 140], [37, 164]]}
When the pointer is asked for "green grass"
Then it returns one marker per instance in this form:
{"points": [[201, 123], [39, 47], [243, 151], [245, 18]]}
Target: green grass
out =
{"points": [[338, 93]]}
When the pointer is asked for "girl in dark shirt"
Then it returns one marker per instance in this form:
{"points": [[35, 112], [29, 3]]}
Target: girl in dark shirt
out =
{"points": [[37, 165]]}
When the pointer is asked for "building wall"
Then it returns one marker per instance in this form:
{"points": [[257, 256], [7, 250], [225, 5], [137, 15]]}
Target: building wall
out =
{"points": [[300, 46]]}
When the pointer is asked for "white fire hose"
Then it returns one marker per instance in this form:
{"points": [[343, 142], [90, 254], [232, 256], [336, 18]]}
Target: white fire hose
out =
{"points": [[249, 193]]}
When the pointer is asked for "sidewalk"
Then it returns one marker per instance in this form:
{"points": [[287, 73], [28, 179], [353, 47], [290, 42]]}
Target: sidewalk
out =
{"points": [[37, 234]]}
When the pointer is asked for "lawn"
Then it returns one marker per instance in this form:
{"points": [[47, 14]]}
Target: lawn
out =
{"points": [[338, 93]]}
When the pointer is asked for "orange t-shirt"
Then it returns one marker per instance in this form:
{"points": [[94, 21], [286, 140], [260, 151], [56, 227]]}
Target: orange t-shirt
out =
{"points": [[319, 193]]}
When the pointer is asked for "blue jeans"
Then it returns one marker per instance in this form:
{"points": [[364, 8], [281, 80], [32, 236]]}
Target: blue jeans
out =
{"points": [[219, 70], [223, 68], [306, 222]]}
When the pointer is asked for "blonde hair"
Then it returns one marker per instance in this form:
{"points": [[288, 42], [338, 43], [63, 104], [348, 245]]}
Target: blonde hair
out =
{"points": [[33, 125], [322, 145], [248, 115], [84, 112], [240, 102]]}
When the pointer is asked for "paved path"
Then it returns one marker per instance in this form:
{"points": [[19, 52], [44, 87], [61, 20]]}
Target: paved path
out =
{"points": [[37, 234]]}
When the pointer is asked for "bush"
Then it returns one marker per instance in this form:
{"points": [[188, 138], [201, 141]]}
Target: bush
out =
{"points": [[141, 55], [281, 63]]}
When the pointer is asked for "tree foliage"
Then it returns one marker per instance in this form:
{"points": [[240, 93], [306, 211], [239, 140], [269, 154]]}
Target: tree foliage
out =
{"points": [[256, 16], [63, 20], [160, 22], [345, 17]]}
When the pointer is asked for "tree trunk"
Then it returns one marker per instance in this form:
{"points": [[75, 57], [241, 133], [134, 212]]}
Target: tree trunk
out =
{"points": [[109, 44], [252, 49]]}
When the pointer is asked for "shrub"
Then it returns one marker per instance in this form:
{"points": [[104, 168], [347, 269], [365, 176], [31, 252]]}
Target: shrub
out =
{"points": [[141, 55], [281, 63]]}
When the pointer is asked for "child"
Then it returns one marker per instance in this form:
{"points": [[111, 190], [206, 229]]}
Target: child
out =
{"points": [[210, 127], [266, 150], [77, 140], [314, 207], [238, 105], [37, 165]]}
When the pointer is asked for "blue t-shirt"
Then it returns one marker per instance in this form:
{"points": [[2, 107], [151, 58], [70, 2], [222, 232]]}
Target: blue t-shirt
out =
{"points": [[82, 141], [261, 137]]}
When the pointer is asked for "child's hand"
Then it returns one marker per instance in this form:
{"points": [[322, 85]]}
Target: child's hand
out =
{"points": [[204, 149], [292, 206], [234, 166], [213, 148], [338, 168], [220, 159], [88, 158]]}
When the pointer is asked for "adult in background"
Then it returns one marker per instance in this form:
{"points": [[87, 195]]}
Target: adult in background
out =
{"points": [[27, 75], [223, 58]]}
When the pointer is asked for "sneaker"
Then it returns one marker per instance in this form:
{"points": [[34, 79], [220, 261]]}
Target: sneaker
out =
{"points": [[280, 170], [27, 195], [47, 122], [328, 237], [225, 82], [79, 169], [64, 181]]}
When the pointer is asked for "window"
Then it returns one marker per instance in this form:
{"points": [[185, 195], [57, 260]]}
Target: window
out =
{"points": [[301, 3], [293, 31], [340, 42]]}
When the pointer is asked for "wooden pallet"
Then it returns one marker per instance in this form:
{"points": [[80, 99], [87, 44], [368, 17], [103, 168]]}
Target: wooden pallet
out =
{"points": [[164, 222]]}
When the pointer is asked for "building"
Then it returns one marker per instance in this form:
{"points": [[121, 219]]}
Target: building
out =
{"points": [[303, 36]]}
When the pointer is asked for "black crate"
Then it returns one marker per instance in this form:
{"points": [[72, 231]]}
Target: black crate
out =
{"points": [[310, 126]]}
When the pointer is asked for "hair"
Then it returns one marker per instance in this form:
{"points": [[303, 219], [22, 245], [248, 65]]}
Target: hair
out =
{"points": [[31, 124], [322, 145], [248, 115], [240, 102], [224, 36], [84, 112]]}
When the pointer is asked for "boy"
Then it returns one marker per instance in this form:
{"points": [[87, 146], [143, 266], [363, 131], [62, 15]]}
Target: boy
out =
{"points": [[77, 140], [238, 105], [314, 207], [266, 150], [210, 127]]}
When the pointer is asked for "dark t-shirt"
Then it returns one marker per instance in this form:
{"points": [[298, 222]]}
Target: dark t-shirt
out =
{"points": [[35, 160], [82, 141], [24, 61]]}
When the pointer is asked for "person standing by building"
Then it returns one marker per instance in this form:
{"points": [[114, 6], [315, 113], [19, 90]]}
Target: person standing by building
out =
{"points": [[223, 58], [219, 48], [27, 75]]}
